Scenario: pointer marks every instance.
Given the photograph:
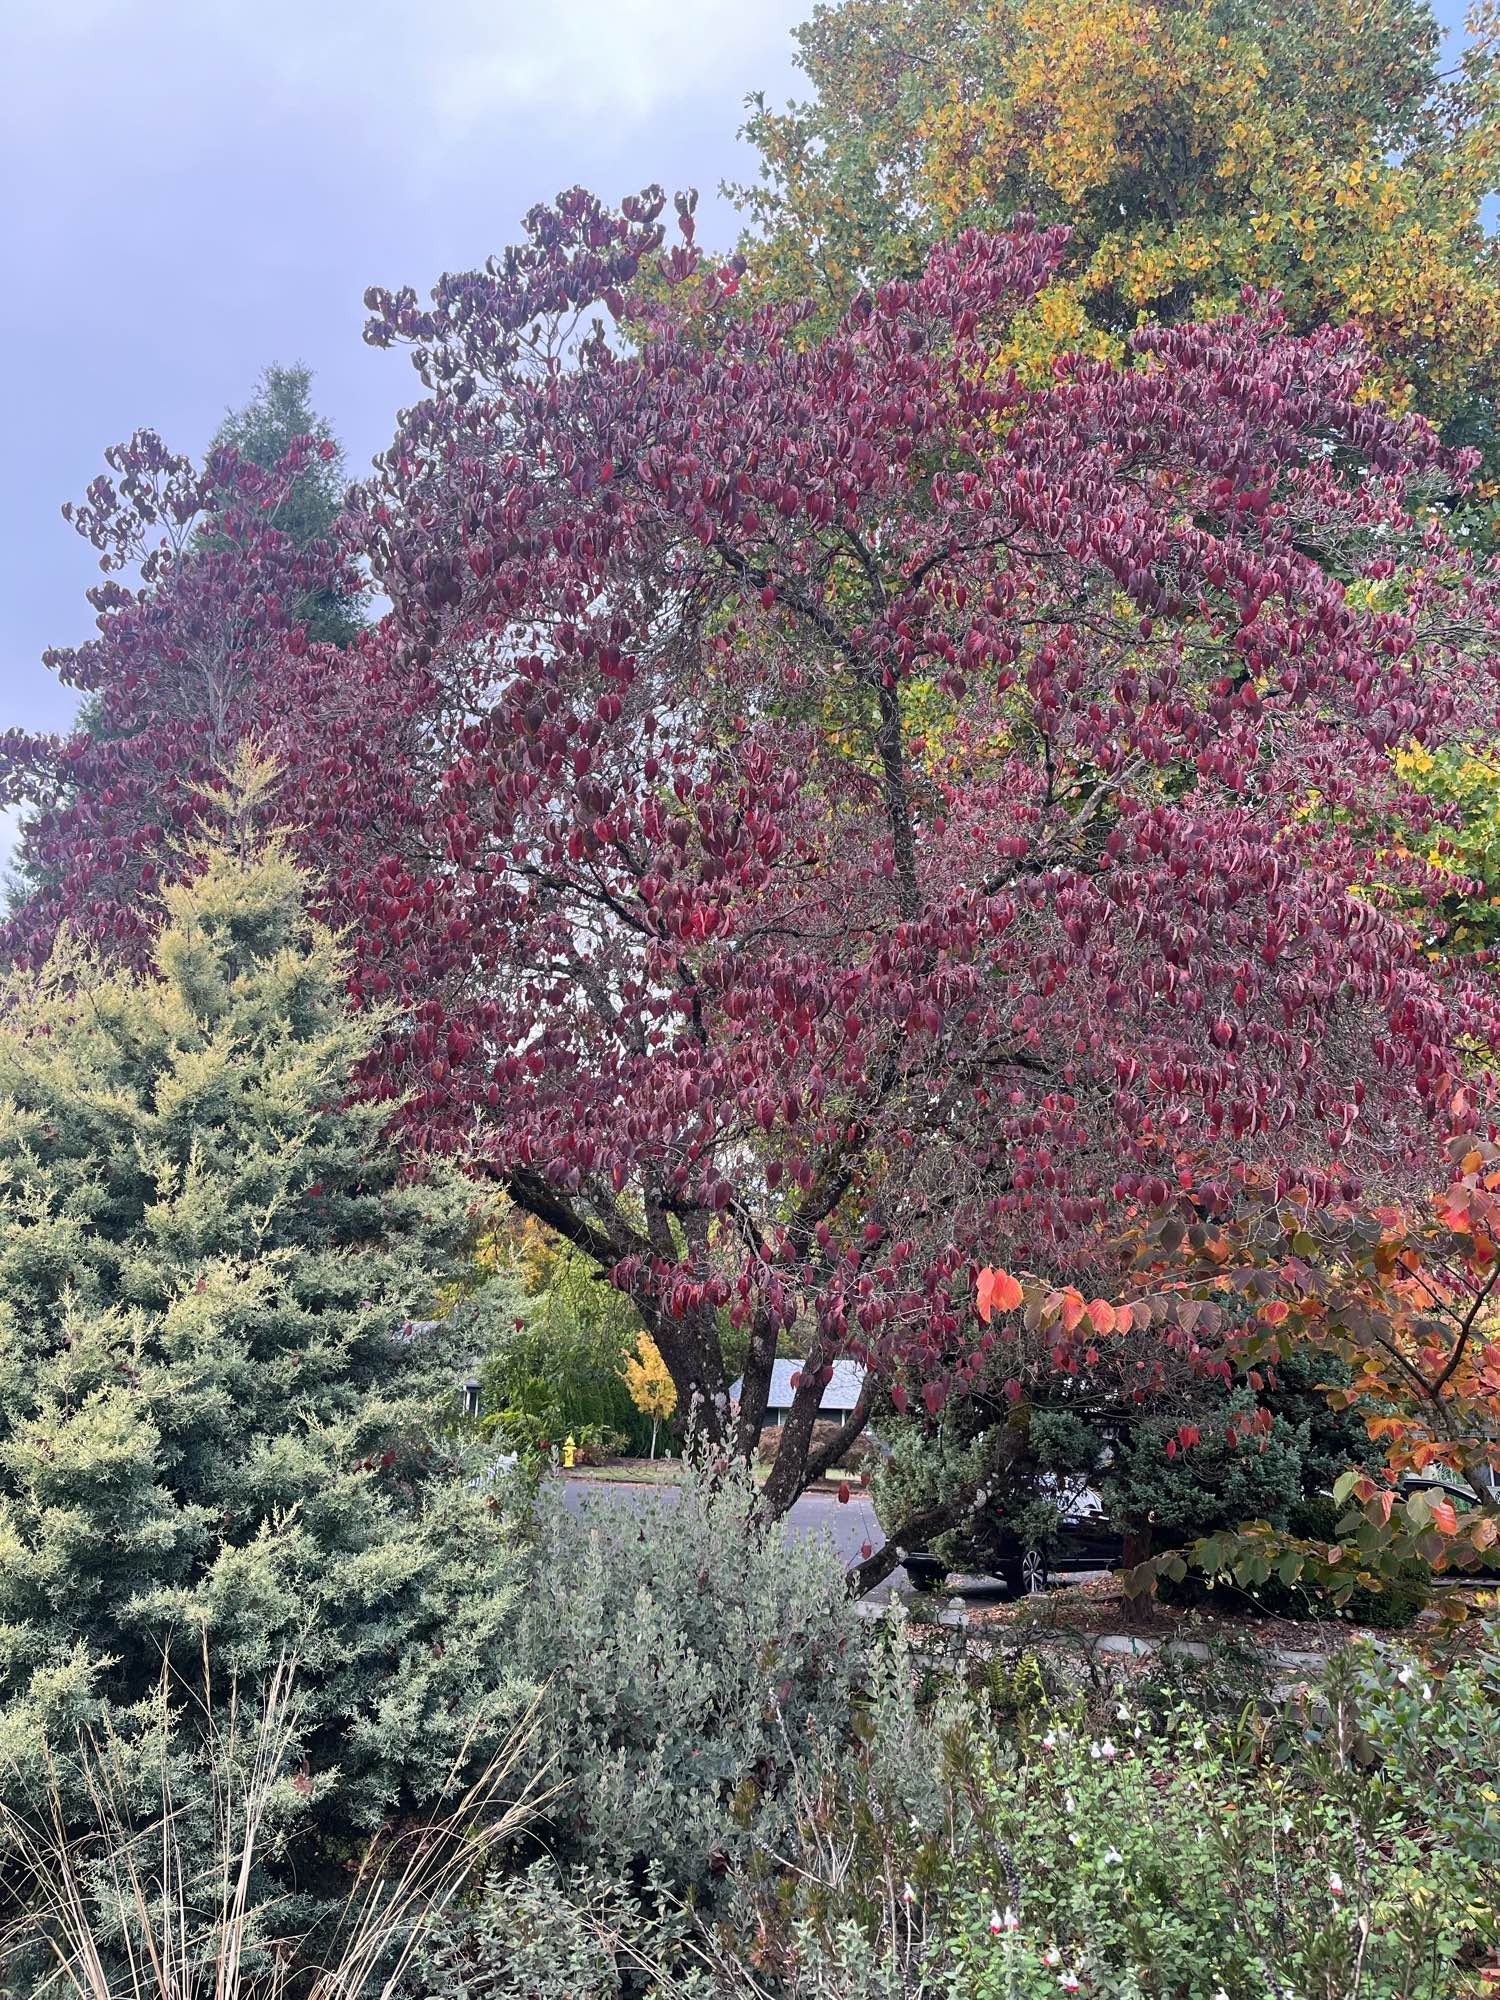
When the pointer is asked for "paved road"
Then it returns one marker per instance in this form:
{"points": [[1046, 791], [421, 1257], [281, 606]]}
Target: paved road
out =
{"points": [[848, 1526]]}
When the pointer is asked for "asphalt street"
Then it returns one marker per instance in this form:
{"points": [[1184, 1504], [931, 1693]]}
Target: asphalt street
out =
{"points": [[848, 1526]]}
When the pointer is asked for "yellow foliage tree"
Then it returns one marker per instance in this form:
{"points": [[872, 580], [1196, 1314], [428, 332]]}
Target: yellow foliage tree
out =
{"points": [[1194, 146], [651, 1387]]}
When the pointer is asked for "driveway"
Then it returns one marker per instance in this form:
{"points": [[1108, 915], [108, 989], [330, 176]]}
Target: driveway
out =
{"points": [[848, 1526]]}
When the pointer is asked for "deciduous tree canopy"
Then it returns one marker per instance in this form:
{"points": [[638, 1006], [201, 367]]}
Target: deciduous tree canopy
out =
{"points": [[1193, 148], [837, 805]]}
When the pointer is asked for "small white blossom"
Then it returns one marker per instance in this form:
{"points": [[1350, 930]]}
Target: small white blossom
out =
{"points": [[1112, 1857], [1336, 1885], [1052, 1956], [1009, 1922], [908, 1893], [1068, 1981]]}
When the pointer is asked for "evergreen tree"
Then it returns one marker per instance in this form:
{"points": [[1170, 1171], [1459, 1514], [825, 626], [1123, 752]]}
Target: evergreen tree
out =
{"points": [[220, 1439], [262, 432]]}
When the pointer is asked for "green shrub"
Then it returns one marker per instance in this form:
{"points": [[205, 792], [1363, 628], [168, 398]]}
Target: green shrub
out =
{"points": [[553, 1364], [948, 1852], [691, 1656], [218, 1440]]}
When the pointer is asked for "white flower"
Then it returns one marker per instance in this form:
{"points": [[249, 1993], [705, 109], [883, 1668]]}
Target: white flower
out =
{"points": [[1049, 1741], [1106, 1750], [1405, 1675], [908, 1893], [1112, 1857], [1068, 1981], [1069, 1803], [1336, 1885], [1426, 1692], [1009, 1922], [1052, 1956], [1122, 1713]]}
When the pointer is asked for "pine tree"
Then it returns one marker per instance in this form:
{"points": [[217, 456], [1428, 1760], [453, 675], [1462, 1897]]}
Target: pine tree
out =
{"points": [[262, 432], [220, 1439]]}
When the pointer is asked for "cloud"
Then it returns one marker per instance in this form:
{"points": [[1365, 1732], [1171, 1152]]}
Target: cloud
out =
{"points": [[387, 64], [587, 58]]}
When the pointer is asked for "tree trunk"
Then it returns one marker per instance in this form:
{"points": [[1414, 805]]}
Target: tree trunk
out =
{"points": [[1137, 1549], [654, 1422]]}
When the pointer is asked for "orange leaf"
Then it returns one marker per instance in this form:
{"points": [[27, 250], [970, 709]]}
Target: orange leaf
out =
{"points": [[1008, 1293], [984, 1293], [1445, 1517], [1275, 1312], [1102, 1316], [1072, 1310]]}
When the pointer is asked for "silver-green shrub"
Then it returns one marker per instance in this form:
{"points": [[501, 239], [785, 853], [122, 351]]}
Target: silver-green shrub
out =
{"points": [[691, 1654]]}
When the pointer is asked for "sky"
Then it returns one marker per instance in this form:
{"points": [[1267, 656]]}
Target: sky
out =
{"points": [[192, 189]]}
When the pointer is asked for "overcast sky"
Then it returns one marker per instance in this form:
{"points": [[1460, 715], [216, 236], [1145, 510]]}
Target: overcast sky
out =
{"points": [[190, 189]]}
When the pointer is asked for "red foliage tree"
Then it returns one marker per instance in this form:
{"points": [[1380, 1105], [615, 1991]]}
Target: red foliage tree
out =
{"points": [[832, 808]]}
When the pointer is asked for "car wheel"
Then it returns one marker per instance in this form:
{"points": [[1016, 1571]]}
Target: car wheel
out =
{"points": [[1033, 1573]]}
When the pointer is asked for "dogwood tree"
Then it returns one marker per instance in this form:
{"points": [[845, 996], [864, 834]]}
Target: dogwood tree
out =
{"points": [[838, 810]]}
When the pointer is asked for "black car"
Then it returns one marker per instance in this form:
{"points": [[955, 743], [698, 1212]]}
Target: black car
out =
{"points": [[992, 1544], [1083, 1539]]}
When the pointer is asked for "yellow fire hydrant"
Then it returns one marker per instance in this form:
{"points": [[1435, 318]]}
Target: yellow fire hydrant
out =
{"points": [[570, 1452]]}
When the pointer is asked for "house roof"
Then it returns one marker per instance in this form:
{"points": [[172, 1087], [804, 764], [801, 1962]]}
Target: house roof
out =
{"points": [[842, 1392]]}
